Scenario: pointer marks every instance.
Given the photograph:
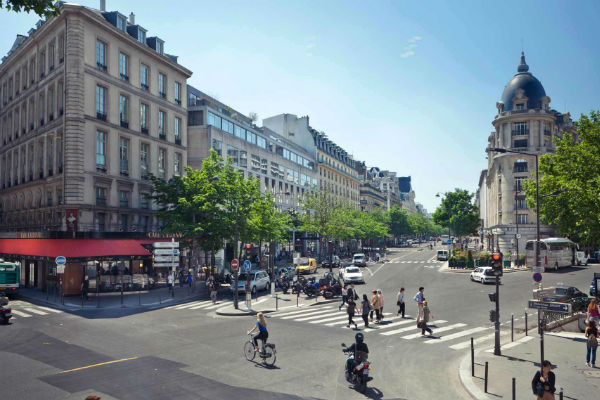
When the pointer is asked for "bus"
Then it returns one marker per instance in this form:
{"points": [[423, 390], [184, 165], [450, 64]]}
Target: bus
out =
{"points": [[555, 253], [446, 239], [9, 278]]}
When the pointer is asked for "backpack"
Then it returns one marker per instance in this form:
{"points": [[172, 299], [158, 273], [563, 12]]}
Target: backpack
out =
{"points": [[592, 340]]}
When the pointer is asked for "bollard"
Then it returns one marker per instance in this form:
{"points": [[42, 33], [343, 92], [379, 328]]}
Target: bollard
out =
{"points": [[472, 358], [514, 389], [512, 327], [485, 382], [525, 322], [560, 395]]}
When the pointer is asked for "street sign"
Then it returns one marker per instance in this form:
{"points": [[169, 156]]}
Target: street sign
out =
{"points": [[165, 252], [60, 269], [234, 264], [550, 306], [247, 266], [166, 265], [60, 260], [166, 259], [537, 277], [165, 245]]}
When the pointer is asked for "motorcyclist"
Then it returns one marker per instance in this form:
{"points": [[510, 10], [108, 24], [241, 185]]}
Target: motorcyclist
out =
{"points": [[360, 351]]}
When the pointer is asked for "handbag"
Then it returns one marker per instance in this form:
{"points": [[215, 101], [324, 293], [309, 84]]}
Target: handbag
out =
{"points": [[539, 389], [592, 340]]}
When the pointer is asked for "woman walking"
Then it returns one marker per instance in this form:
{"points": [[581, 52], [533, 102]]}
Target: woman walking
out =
{"points": [[591, 333], [422, 323], [593, 312], [375, 307], [365, 308], [543, 382], [351, 309], [380, 295], [344, 296]]}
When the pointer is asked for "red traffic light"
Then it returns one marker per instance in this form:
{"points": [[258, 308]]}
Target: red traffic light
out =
{"points": [[248, 245], [496, 256]]}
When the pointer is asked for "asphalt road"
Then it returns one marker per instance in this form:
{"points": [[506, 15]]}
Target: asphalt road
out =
{"points": [[194, 354]]}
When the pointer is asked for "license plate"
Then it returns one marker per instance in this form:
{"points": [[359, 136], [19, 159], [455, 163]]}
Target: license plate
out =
{"points": [[366, 371]]}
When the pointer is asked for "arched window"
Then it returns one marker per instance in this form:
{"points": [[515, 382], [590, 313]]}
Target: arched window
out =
{"points": [[520, 166]]}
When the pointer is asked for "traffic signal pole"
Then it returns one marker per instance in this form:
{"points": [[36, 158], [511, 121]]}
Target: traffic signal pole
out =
{"points": [[497, 351]]}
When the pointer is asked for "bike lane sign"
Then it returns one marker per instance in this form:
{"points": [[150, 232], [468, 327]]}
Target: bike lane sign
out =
{"points": [[247, 266]]}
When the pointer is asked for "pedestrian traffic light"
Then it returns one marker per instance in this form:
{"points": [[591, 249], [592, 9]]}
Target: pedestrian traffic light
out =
{"points": [[492, 297], [492, 315], [497, 263]]}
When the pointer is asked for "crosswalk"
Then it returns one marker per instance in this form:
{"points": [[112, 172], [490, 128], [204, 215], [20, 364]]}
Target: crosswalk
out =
{"points": [[456, 335], [431, 264], [23, 309], [199, 305]]}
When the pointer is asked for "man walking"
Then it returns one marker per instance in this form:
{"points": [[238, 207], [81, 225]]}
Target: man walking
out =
{"points": [[351, 293], [380, 296], [419, 298], [170, 281], [85, 285], [344, 296], [400, 302]]}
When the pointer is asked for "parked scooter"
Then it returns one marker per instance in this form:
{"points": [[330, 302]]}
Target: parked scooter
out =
{"points": [[334, 289], [359, 375], [5, 310], [284, 284], [311, 288]]}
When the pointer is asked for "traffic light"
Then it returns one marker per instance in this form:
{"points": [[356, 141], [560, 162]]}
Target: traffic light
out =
{"points": [[492, 315], [492, 297], [497, 263]]}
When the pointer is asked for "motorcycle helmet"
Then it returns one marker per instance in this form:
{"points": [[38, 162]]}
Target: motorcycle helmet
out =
{"points": [[359, 337]]}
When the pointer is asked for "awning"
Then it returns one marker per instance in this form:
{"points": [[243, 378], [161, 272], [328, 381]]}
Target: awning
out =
{"points": [[75, 248]]}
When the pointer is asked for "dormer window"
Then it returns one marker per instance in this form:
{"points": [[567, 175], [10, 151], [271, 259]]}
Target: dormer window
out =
{"points": [[159, 47], [519, 106], [141, 36], [121, 23]]}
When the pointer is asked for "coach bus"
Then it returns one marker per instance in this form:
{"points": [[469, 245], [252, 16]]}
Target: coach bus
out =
{"points": [[555, 253], [9, 278]]}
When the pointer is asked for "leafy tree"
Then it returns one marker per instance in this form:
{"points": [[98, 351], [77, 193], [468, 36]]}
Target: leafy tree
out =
{"points": [[265, 222], [317, 215], [458, 212], [43, 8], [576, 167], [398, 222]]}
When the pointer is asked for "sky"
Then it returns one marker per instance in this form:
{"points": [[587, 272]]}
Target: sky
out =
{"points": [[407, 86]]}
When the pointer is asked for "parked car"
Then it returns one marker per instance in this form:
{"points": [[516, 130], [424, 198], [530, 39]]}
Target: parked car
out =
{"points": [[334, 264], [483, 275], [569, 294], [443, 255], [305, 265], [581, 258], [594, 257], [359, 260], [259, 280], [352, 275]]}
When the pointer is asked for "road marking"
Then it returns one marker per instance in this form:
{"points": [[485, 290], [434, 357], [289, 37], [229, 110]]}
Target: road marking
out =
{"points": [[444, 329], [457, 335], [299, 311], [410, 328], [98, 365], [464, 345], [341, 316], [304, 313], [192, 304], [566, 335], [39, 312], [393, 324], [21, 314], [205, 304], [314, 315], [524, 339], [213, 306], [49, 309]]}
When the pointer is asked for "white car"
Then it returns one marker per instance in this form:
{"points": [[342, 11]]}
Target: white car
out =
{"points": [[443, 255], [360, 260], [259, 280], [581, 258], [352, 275], [483, 275]]}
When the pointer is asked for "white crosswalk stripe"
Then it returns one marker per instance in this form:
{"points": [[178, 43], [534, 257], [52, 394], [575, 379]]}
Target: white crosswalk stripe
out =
{"points": [[464, 345], [24, 309], [188, 305], [205, 304], [49, 309], [340, 316], [391, 325], [444, 329], [315, 315], [410, 328], [33, 310], [298, 311], [20, 313], [507, 346], [457, 335]]}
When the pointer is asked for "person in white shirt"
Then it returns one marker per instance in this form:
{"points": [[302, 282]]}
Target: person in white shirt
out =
{"points": [[419, 298], [170, 280], [400, 302]]}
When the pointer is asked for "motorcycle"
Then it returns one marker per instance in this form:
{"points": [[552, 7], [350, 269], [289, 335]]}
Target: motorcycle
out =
{"points": [[284, 284], [5, 310], [359, 375], [298, 284], [311, 288], [331, 290]]}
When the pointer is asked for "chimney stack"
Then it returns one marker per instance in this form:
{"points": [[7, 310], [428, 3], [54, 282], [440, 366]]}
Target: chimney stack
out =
{"points": [[102, 5], [132, 19]]}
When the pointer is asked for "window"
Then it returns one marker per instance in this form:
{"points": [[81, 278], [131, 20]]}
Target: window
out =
{"points": [[100, 221], [177, 130], [520, 106], [177, 164], [101, 151], [227, 126], [49, 198], [240, 132], [263, 165], [177, 92], [144, 203], [143, 223], [161, 85], [290, 175], [547, 128], [520, 128], [520, 166], [144, 118], [124, 66], [161, 162], [274, 169], [519, 184], [121, 23], [261, 142], [232, 153], [161, 125], [218, 146], [521, 218], [123, 199], [100, 55], [159, 47], [214, 120], [100, 196], [243, 159], [124, 111], [144, 77], [61, 47], [124, 221], [255, 163], [141, 36], [144, 154], [124, 156], [251, 137], [521, 203], [520, 143], [51, 56], [42, 64], [100, 103]]}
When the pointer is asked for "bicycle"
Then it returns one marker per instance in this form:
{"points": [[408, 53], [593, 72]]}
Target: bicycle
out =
{"points": [[267, 353]]}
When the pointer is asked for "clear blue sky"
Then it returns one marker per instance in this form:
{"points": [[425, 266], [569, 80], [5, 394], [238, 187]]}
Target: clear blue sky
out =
{"points": [[408, 86]]}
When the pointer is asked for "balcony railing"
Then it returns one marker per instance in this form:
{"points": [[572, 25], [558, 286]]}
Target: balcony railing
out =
{"points": [[124, 77], [101, 116], [178, 141], [520, 132], [125, 124], [101, 67], [100, 168], [162, 136], [144, 86]]}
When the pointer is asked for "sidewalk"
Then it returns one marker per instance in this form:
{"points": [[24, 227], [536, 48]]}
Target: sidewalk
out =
{"points": [[565, 352], [269, 303], [155, 298], [446, 268]]}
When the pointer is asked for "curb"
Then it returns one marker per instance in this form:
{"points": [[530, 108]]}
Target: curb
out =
{"points": [[466, 380], [242, 313]]}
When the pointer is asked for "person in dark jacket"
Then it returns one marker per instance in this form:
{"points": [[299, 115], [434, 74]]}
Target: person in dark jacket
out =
{"points": [[546, 381]]}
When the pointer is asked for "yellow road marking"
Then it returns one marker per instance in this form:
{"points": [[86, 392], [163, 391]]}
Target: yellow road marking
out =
{"points": [[97, 365]]}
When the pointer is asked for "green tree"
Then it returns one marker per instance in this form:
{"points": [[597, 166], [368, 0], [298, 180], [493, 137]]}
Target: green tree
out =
{"points": [[458, 212], [265, 222], [43, 8], [398, 222], [576, 167], [317, 215]]}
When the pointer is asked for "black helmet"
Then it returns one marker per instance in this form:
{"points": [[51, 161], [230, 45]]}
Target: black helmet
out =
{"points": [[359, 337]]}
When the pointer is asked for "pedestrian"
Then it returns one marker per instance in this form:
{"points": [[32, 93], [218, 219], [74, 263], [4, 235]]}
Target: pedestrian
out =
{"points": [[543, 382], [351, 293], [422, 323], [181, 278], [593, 311], [374, 306], [591, 333], [400, 302], [351, 309], [170, 281], [344, 296], [212, 287], [419, 298], [380, 295], [365, 307], [85, 285]]}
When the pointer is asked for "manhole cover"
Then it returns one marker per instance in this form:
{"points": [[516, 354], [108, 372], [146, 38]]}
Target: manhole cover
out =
{"points": [[592, 374]]}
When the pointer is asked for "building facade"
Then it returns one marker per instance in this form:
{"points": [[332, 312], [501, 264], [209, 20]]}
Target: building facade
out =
{"points": [[524, 122]]}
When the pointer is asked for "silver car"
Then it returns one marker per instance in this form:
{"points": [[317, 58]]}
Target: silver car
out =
{"points": [[259, 280]]}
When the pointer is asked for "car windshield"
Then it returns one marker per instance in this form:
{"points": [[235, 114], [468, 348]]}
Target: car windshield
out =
{"points": [[560, 291], [356, 256], [243, 277], [301, 261], [352, 270]]}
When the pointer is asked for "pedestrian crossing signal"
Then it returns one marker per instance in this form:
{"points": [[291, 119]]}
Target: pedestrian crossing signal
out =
{"points": [[492, 297]]}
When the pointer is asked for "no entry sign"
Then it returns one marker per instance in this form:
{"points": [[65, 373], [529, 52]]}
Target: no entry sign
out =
{"points": [[235, 264], [537, 277]]}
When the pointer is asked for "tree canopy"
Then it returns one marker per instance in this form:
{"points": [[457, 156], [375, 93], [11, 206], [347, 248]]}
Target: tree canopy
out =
{"points": [[458, 212], [43, 8]]}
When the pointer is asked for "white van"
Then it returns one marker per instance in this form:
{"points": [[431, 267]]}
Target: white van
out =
{"points": [[443, 255], [555, 253]]}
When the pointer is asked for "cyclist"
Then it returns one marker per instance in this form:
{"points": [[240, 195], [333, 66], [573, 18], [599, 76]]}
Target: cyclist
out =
{"points": [[263, 334], [361, 352]]}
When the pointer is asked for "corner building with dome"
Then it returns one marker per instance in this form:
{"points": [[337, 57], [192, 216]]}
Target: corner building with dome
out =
{"points": [[524, 122]]}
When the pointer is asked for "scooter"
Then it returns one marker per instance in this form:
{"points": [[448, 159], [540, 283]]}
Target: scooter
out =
{"points": [[359, 375], [284, 284], [5, 310], [332, 290]]}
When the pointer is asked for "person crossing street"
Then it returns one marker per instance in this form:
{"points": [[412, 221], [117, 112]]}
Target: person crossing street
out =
{"points": [[400, 302], [351, 309], [344, 296], [380, 296], [419, 298]]}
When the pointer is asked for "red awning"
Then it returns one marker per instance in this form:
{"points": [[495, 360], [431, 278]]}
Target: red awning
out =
{"points": [[75, 248]]}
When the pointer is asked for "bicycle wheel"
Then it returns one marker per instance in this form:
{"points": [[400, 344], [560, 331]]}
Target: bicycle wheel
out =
{"points": [[269, 356], [249, 352]]}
